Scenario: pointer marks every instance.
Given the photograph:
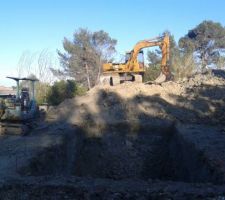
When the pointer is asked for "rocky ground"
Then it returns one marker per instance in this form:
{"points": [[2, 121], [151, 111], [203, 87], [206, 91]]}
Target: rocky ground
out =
{"points": [[131, 141]]}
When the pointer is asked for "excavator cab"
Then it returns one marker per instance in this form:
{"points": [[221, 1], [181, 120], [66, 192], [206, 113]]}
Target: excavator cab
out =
{"points": [[140, 59], [127, 56], [25, 99]]}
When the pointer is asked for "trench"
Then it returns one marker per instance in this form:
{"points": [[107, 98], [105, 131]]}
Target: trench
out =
{"points": [[145, 153]]}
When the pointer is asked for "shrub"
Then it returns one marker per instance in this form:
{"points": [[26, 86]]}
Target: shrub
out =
{"points": [[152, 72], [62, 90], [182, 65]]}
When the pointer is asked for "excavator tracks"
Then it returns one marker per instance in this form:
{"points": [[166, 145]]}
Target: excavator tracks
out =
{"points": [[116, 79], [7, 128]]}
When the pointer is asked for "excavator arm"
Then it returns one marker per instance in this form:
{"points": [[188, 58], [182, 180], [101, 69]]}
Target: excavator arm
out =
{"points": [[162, 42]]}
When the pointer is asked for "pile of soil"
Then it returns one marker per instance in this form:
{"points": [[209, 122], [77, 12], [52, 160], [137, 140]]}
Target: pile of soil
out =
{"points": [[198, 99]]}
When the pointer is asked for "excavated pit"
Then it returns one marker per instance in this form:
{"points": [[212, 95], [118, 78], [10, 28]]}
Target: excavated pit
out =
{"points": [[144, 153]]}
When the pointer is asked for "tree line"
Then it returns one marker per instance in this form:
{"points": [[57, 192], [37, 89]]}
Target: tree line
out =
{"points": [[202, 47], [80, 62]]}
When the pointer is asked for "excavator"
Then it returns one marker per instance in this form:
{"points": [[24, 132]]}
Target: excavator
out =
{"points": [[16, 111], [133, 68]]}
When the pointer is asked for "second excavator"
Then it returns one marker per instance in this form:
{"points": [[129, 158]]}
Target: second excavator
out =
{"points": [[133, 68], [17, 111]]}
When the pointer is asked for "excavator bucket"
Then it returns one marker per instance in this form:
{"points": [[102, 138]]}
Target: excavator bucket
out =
{"points": [[161, 78]]}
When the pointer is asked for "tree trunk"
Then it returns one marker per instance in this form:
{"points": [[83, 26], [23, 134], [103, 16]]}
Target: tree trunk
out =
{"points": [[88, 78], [99, 71], [204, 58]]}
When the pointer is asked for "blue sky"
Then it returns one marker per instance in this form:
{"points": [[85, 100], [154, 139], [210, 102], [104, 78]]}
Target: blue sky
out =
{"points": [[42, 24]]}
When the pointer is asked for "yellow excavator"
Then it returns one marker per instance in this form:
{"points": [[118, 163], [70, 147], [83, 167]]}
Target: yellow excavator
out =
{"points": [[133, 68]]}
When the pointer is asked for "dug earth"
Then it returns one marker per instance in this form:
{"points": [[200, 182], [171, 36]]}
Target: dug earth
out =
{"points": [[131, 141]]}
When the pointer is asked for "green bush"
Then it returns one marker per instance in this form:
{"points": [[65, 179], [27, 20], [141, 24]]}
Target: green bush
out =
{"points": [[62, 90], [152, 72], [182, 65], [41, 91]]}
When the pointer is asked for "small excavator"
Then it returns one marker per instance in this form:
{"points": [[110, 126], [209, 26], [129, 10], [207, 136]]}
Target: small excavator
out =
{"points": [[17, 111], [133, 69]]}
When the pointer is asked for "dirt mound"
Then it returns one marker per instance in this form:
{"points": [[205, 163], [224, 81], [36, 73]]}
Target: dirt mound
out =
{"points": [[198, 99]]}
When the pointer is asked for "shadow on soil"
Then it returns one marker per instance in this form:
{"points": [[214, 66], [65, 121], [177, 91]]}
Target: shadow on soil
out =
{"points": [[134, 139]]}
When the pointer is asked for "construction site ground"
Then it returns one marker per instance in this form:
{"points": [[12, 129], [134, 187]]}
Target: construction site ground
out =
{"points": [[131, 141]]}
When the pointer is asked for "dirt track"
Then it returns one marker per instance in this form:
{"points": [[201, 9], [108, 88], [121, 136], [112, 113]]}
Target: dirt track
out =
{"points": [[132, 141]]}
